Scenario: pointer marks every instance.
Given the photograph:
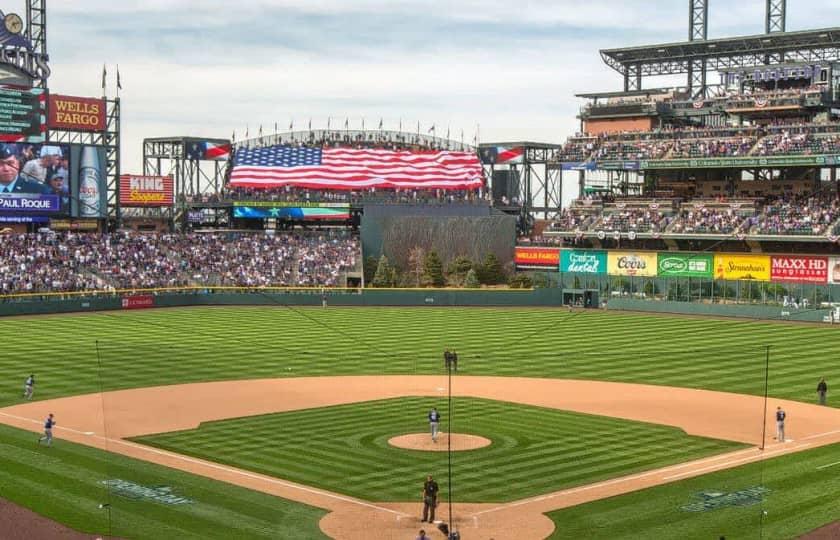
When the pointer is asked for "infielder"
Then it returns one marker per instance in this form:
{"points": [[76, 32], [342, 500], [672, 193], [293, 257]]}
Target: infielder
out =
{"points": [[434, 423], [780, 424], [48, 425], [29, 387]]}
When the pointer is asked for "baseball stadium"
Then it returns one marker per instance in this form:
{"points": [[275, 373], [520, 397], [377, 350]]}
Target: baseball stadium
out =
{"points": [[353, 333]]}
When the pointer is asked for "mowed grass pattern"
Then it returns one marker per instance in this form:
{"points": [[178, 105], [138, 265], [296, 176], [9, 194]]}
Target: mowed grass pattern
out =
{"points": [[64, 483], [344, 448], [138, 349]]}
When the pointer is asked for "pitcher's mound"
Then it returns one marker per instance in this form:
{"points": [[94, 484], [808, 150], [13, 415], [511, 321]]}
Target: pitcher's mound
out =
{"points": [[423, 441]]}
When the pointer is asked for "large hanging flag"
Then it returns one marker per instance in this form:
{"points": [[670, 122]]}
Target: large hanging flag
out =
{"points": [[353, 168]]}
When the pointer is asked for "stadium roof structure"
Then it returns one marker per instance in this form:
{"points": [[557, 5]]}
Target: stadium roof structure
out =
{"points": [[703, 55]]}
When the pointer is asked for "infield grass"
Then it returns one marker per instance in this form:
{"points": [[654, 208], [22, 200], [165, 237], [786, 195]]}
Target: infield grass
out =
{"points": [[801, 498], [64, 483], [139, 349], [345, 448]]}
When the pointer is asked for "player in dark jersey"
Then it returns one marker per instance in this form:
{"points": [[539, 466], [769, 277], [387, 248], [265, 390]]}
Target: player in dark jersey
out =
{"points": [[48, 427]]}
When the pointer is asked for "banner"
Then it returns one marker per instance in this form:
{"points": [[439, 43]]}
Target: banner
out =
{"points": [[741, 162], [213, 150], [292, 204], [684, 265], [584, 262], [834, 270], [292, 212], [146, 191], [72, 113], [797, 269], [138, 301], [22, 114], [16, 202], [539, 257], [89, 186], [748, 267], [74, 224], [625, 263]]}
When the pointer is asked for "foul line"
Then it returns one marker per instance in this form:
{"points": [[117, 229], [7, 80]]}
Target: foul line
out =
{"points": [[219, 467], [829, 465]]}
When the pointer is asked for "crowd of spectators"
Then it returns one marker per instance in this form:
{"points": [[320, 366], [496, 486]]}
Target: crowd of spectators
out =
{"points": [[639, 220], [708, 220], [803, 216], [633, 150], [50, 262], [713, 148]]}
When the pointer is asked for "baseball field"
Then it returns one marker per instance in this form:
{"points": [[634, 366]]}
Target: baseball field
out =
{"points": [[278, 423]]}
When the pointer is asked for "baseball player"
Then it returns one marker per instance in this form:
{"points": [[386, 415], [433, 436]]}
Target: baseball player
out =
{"points": [[822, 390], [434, 423], [48, 427], [780, 424], [430, 494], [29, 387]]}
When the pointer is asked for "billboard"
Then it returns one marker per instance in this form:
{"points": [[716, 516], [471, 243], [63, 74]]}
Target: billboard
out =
{"points": [[34, 181], [305, 213], [583, 261], [22, 114], [537, 257], [627, 263], [146, 191], [76, 113], [88, 182], [834, 270], [799, 269], [747, 267], [684, 265]]}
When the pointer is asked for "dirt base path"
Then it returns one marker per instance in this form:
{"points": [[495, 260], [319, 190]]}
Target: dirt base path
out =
{"points": [[147, 411]]}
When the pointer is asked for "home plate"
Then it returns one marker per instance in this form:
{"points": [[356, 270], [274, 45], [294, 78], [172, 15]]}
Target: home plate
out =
{"points": [[88, 433]]}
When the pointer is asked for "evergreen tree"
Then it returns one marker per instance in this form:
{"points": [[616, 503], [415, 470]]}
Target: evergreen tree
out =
{"points": [[384, 276], [432, 271], [370, 268], [471, 281], [491, 272]]}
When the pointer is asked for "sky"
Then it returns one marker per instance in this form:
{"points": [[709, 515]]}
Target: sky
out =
{"points": [[208, 68]]}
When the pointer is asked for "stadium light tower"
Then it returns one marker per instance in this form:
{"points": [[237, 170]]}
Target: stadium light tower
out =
{"points": [[36, 30], [774, 22], [698, 30]]}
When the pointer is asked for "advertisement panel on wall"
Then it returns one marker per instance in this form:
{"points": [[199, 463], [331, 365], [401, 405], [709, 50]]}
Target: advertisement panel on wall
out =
{"points": [[746, 267], [22, 114], [583, 261], [537, 257], [73, 113], [34, 181], [627, 263], [146, 191], [88, 181], [697, 265], [834, 270], [799, 269]]}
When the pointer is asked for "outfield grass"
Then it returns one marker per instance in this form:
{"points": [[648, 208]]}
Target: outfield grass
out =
{"points": [[345, 448], [801, 498], [63, 483], [149, 348]]}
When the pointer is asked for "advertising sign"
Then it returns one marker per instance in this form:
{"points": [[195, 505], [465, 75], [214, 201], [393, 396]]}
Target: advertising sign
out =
{"points": [[22, 114], [799, 269], [74, 224], [834, 270], [684, 265], [76, 113], [146, 190], [584, 262], [308, 213], [537, 257], [741, 162], [747, 267], [625, 263], [138, 301], [89, 185]]}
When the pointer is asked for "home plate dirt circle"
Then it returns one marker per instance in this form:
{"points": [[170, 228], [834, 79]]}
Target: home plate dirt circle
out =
{"points": [[423, 441]]}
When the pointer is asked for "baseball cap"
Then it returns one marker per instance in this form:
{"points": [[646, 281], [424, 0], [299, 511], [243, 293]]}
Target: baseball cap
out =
{"points": [[9, 150], [55, 175], [50, 151]]}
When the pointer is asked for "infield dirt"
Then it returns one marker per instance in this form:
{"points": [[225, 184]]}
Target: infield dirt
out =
{"points": [[704, 413]]}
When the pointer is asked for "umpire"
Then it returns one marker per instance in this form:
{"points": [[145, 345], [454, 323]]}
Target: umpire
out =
{"points": [[430, 493]]}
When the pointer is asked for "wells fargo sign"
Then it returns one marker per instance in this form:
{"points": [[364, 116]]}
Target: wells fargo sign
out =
{"points": [[537, 256], [146, 190], [749, 267], [798, 269], [76, 113]]}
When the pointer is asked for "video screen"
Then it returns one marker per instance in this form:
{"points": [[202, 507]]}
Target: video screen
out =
{"points": [[35, 182]]}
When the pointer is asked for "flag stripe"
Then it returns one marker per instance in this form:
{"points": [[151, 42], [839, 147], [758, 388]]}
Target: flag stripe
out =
{"points": [[347, 168]]}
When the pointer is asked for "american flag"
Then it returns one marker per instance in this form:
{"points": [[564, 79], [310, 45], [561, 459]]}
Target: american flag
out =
{"points": [[351, 168]]}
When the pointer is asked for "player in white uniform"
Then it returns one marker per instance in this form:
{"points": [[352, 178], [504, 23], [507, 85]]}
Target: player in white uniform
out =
{"points": [[29, 387]]}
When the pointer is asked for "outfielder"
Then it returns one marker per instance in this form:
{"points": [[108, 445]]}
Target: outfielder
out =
{"points": [[780, 424], [29, 387]]}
